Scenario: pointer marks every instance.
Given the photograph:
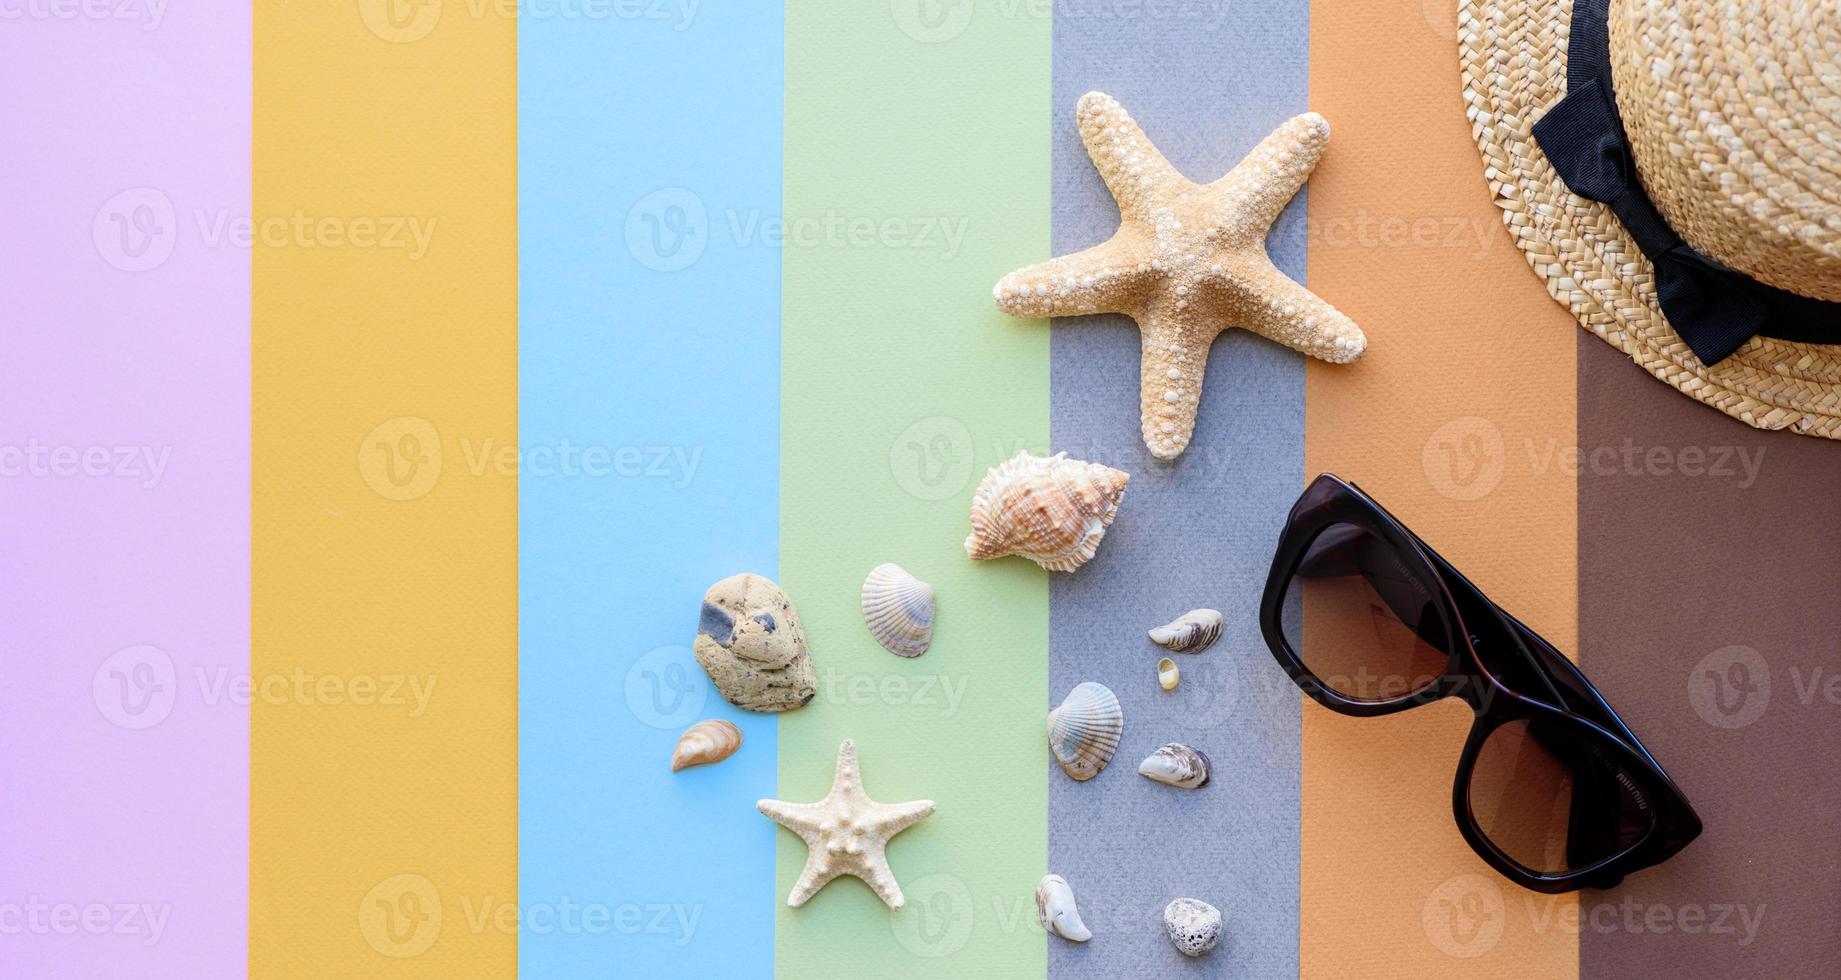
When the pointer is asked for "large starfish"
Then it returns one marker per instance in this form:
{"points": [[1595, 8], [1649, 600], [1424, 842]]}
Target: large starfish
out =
{"points": [[845, 832], [1188, 262]]}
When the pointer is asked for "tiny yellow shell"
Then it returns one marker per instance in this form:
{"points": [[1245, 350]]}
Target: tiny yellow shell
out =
{"points": [[1167, 674]]}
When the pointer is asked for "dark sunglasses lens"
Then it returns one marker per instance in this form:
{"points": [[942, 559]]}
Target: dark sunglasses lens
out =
{"points": [[1362, 619], [1555, 796]]}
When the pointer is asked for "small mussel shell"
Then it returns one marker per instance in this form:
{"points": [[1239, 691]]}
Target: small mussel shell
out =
{"points": [[704, 743], [898, 608], [1167, 674], [1084, 731], [1055, 910], [1191, 632], [1176, 764]]}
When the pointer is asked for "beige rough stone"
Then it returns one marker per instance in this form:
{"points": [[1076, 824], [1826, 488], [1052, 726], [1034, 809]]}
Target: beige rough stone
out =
{"points": [[752, 644]]}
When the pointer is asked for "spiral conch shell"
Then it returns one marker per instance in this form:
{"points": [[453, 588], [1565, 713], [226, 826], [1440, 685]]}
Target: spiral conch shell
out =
{"points": [[1191, 632], [705, 743], [898, 609], [1052, 511], [1084, 731]]}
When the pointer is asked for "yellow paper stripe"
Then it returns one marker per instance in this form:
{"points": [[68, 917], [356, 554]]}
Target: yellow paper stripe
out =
{"points": [[383, 811]]}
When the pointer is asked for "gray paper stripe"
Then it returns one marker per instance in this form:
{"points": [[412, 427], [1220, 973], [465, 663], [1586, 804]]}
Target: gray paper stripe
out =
{"points": [[1206, 81]]}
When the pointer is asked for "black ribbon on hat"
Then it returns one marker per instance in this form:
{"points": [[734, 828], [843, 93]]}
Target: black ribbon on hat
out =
{"points": [[1715, 309]]}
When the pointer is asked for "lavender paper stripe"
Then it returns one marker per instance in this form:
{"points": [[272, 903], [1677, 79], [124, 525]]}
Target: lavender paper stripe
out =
{"points": [[124, 527], [1206, 81]]}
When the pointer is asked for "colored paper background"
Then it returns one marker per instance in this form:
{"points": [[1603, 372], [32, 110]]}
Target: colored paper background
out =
{"points": [[900, 383], [383, 829], [1206, 83], [124, 617], [1469, 371], [649, 332], [704, 289]]}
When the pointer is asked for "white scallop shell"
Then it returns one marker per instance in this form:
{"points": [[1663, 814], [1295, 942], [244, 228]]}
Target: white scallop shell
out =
{"points": [[1055, 908], [704, 743], [1051, 510], [1191, 632], [898, 609], [1194, 925], [1176, 764], [1084, 731]]}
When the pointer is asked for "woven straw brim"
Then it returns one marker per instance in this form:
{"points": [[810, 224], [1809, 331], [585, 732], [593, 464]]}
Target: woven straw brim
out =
{"points": [[1513, 56]]}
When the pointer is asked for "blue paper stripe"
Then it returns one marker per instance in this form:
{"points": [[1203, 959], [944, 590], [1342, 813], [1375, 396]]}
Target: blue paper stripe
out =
{"points": [[1206, 81], [649, 435]]}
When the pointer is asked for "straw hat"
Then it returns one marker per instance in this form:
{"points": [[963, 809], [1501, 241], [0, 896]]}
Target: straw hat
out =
{"points": [[1730, 147]]}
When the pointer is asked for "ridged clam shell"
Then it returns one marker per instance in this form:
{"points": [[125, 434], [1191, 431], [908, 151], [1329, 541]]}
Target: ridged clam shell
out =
{"points": [[898, 608], [1168, 676], [1051, 510], [704, 743], [1194, 925], [1191, 632], [1084, 731], [1055, 908], [1176, 764]]}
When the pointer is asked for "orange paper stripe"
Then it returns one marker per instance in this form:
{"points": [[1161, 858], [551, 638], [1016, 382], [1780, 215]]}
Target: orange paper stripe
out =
{"points": [[1459, 419]]}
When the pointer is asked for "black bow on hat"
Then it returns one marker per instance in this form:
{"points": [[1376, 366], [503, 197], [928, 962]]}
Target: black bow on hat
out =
{"points": [[1714, 309]]}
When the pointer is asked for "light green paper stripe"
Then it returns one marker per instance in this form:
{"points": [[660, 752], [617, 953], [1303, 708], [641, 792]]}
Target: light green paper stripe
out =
{"points": [[916, 174]]}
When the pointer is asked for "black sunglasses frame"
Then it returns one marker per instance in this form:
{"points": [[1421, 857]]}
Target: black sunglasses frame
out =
{"points": [[1570, 699]]}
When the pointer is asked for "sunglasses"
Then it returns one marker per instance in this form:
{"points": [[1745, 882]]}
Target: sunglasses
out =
{"points": [[1553, 790]]}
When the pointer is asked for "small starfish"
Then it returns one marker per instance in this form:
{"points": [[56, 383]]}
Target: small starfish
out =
{"points": [[1188, 262], [845, 832]]}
